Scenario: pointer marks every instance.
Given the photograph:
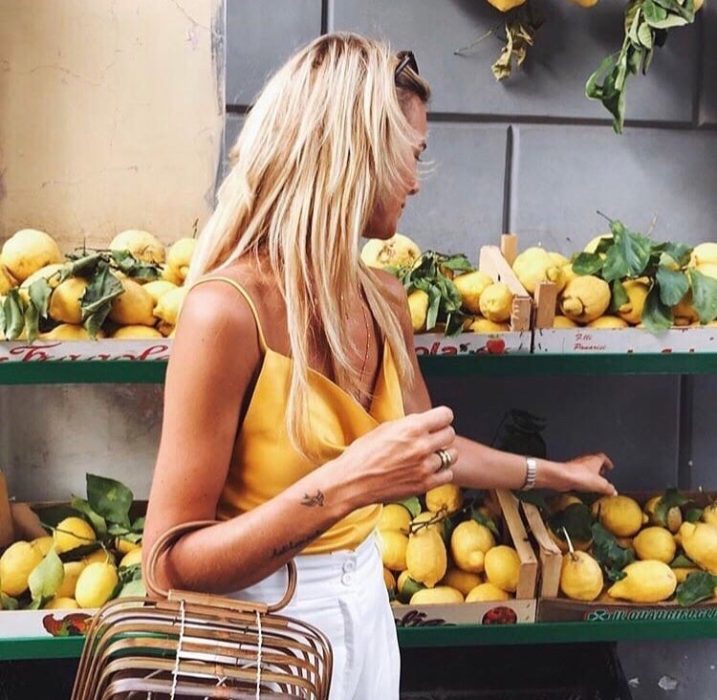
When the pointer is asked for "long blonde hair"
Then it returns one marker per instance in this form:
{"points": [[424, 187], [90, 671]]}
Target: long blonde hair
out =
{"points": [[324, 141]]}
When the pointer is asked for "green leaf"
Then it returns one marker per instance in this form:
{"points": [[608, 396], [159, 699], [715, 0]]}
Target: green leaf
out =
{"points": [[46, 577], [80, 552], [82, 267], [138, 524], [97, 521], [434, 305], [483, 519], [679, 252], [130, 573], [656, 316], [576, 519], [109, 498], [536, 497], [587, 264], [410, 587], [412, 505], [39, 293], [704, 295], [694, 515], [14, 314], [8, 602], [682, 561], [629, 255], [609, 554], [458, 263], [698, 586], [672, 498], [96, 302], [673, 285], [644, 36], [594, 91], [132, 267], [32, 322], [134, 588], [51, 516], [619, 295]]}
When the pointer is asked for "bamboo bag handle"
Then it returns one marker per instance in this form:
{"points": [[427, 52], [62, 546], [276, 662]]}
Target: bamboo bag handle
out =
{"points": [[168, 539]]}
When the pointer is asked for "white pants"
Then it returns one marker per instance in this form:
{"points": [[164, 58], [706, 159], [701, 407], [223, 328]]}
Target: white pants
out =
{"points": [[344, 595]]}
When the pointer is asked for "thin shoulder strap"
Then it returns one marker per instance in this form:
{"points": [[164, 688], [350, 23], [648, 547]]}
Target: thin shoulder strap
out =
{"points": [[245, 294]]}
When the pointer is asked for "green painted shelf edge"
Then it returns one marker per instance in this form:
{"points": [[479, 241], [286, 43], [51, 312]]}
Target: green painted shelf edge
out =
{"points": [[517, 365], [444, 636]]}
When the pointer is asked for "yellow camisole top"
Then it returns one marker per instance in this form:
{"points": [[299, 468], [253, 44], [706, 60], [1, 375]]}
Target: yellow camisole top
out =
{"points": [[264, 463]]}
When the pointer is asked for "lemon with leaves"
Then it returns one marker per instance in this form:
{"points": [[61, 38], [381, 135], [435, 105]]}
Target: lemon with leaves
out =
{"points": [[16, 564], [621, 515], [65, 301], [71, 533], [446, 498], [142, 244]]}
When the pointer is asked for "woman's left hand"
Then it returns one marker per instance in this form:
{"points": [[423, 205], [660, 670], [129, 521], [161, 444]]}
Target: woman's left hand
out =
{"points": [[585, 473]]}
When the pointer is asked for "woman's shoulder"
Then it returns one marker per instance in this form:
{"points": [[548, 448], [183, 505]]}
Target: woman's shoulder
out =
{"points": [[392, 287]]}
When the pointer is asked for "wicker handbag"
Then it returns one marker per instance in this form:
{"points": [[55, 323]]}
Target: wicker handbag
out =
{"points": [[193, 645]]}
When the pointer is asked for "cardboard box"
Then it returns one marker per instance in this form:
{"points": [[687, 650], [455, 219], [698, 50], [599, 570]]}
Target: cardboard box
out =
{"points": [[522, 609], [552, 607]]}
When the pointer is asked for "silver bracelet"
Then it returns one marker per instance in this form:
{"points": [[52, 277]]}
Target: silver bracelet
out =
{"points": [[531, 472]]}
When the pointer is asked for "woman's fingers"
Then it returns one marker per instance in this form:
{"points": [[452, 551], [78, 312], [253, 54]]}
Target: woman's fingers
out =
{"points": [[432, 420]]}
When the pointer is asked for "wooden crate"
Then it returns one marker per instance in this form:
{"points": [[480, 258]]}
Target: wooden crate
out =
{"points": [[520, 609], [552, 607]]}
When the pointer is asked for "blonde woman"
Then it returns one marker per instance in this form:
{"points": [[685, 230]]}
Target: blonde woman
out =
{"points": [[294, 404]]}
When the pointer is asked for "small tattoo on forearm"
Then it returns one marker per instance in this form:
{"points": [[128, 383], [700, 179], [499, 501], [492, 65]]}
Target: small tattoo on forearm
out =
{"points": [[316, 500], [278, 551]]}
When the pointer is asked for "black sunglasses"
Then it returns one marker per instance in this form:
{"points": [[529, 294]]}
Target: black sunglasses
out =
{"points": [[406, 59]]}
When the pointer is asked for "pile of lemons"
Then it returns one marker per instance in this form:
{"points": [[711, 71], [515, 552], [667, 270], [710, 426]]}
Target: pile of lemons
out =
{"points": [[442, 554], [80, 582], [143, 309], [666, 548]]}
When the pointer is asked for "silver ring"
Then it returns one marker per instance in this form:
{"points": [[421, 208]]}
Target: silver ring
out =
{"points": [[446, 459]]}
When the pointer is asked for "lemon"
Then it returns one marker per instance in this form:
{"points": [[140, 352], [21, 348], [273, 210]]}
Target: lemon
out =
{"points": [[486, 592], [645, 582], [72, 570], [169, 306], [388, 578], [709, 514], [535, 265], [99, 555], [95, 585], [673, 519], [44, 544], [28, 251], [125, 546], [61, 603], [483, 325], [68, 331], [65, 301], [684, 314], [169, 274], [585, 298], [447, 498], [682, 572], [158, 288], [16, 565], [502, 567], [436, 596], [585, 3], [406, 586], [699, 540], [591, 247], [464, 581], [71, 533], [397, 251], [655, 543], [136, 333], [394, 516], [580, 576], [426, 516], [637, 291], [469, 543], [704, 252], [418, 308], [179, 255], [7, 281], [563, 501], [134, 306], [132, 557], [142, 244], [558, 259], [470, 286], [496, 302], [426, 558], [608, 322], [563, 322], [393, 546], [620, 515]]}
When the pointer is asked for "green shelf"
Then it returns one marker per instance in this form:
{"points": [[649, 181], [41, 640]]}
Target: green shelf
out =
{"points": [[153, 372], [446, 636]]}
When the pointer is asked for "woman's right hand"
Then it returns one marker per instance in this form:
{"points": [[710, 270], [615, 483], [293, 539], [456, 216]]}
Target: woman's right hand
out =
{"points": [[397, 459]]}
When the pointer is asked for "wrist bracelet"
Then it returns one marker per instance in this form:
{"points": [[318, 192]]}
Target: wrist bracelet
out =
{"points": [[531, 472]]}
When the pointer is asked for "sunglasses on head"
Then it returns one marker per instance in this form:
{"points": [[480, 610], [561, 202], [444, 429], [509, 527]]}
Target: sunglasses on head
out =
{"points": [[406, 59]]}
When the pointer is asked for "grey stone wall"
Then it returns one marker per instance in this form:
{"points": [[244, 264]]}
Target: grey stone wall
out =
{"points": [[533, 156]]}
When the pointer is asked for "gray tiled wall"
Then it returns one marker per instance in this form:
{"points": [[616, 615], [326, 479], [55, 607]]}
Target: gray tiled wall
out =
{"points": [[566, 163]]}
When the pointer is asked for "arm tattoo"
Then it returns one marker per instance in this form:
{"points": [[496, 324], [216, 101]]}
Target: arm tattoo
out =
{"points": [[316, 500], [278, 551]]}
